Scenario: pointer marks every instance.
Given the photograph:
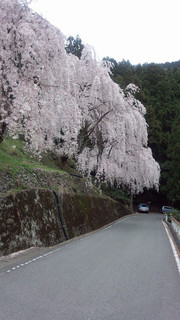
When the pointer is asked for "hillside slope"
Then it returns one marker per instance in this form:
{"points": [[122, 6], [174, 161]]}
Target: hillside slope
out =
{"points": [[28, 209]]}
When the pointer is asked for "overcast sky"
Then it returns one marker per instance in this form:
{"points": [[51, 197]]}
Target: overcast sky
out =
{"points": [[136, 30]]}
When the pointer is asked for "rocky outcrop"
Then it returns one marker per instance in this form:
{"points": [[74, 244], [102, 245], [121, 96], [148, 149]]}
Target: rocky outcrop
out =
{"points": [[30, 217]]}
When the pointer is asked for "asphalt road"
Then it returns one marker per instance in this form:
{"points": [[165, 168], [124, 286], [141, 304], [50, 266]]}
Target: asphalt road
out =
{"points": [[126, 271]]}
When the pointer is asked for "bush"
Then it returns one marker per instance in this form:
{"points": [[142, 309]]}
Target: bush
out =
{"points": [[115, 193], [176, 214]]}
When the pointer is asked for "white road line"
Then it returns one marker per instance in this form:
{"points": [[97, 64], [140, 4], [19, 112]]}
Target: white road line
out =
{"points": [[108, 227], [114, 223], [57, 249], [173, 247], [30, 261]]}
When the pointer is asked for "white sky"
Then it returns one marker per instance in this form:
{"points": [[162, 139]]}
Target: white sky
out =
{"points": [[136, 30]]}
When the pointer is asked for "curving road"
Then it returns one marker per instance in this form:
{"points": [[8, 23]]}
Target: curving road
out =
{"points": [[126, 271]]}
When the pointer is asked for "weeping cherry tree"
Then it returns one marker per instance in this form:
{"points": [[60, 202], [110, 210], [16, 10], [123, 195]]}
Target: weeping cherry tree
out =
{"points": [[68, 105]]}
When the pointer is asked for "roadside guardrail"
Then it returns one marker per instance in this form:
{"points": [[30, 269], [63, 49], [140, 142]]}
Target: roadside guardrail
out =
{"points": [[174, 222]]}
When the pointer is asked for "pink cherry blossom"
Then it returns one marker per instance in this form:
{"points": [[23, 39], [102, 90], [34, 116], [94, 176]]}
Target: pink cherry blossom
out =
{"points": [[70, 106]]}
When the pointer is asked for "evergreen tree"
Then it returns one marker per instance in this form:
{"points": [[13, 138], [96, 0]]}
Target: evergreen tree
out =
{"points": [[74, 46], [160, 93]]}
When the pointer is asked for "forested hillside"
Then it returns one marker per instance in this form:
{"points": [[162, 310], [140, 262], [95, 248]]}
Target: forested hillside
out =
{"points": [[160, 93]]}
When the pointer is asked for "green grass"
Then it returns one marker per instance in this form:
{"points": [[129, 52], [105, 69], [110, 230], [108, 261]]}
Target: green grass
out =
{"points": [[12, 155], [13, 158]]}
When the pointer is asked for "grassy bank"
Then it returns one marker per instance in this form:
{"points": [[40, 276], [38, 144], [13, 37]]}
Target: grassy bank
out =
{"points": [[13, 158], [20, 170]]}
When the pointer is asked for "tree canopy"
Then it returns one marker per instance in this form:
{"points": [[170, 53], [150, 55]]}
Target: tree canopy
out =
{"points": [[160, 93], [74, 46]]}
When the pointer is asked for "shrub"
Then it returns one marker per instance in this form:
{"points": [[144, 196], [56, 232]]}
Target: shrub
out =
{"points": [[176, 214]]}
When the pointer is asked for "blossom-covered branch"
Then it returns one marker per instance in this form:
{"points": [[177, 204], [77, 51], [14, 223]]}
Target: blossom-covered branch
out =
{"points": [[69, 105]]}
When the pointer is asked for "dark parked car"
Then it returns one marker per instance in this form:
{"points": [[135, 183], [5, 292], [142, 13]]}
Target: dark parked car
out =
{"points": [[166, 209], [143, 207]]}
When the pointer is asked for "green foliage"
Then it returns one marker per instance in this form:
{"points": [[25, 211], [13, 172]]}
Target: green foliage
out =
{"points": [[123, 73], [160, 93], [115, 193], [74, 46], [176, 214], [171, 167]]}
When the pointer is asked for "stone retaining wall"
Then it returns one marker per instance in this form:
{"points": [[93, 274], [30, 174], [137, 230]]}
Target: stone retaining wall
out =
{"points": [[30, 217]]}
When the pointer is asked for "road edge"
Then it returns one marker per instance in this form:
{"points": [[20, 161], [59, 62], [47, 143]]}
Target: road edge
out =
{"points": [[175, 250]]}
